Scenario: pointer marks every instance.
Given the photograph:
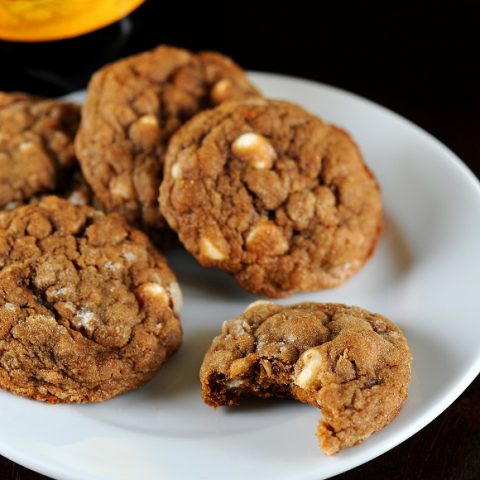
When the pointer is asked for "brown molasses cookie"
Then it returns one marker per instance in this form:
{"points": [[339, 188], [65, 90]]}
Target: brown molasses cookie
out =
{"points": [[132, 108], [273, 195], [36, 145], [88, 307], [352, 364]]}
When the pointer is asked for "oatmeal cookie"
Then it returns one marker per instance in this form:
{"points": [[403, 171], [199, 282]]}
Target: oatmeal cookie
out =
{"points": [[273, 195], [132, 108], [36, 145], [353, 365], [88, 307]]}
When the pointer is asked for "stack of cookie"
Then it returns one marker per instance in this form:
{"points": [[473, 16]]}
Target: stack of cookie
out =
{"points": [[88, 306], [259, 188], [170, 144]]}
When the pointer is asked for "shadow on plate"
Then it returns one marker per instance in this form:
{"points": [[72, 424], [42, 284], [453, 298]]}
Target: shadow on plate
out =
{"points": [[251, 404], [397, 245], [180, 375], [435, 369], [208, 282]]}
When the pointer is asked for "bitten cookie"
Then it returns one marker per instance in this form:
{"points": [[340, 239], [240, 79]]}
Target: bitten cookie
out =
{"points": [[132, 108], [273, 195], [352, 364], [36, 145], [88, 307]]}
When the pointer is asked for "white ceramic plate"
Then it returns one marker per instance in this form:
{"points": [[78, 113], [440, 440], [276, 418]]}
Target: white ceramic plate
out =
{"points": [[425, 276]]}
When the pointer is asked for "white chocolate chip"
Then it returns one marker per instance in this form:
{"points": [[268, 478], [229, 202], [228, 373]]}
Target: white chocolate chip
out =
{"points": [[221, 90], [121, 187], [312, 366], [267, 239], [152, 291], [176, 171], [149, 120], [26, 146], [257, 303], [8, 307], [235, 383], [130, 256], [176, 296], [254, 149], [84, 318], [145, 132], [209, 250], [78, 198]]}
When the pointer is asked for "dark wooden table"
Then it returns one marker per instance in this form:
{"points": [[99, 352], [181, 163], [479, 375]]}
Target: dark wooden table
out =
{"points": [[417, 58]]}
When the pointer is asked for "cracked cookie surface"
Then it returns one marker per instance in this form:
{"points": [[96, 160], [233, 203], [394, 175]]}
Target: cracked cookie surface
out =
{"points": [[273, 195], [352, 364], [88, 307], [132, 108], [36, 145]]}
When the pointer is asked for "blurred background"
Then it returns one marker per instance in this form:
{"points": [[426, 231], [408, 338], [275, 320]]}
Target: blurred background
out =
{"points": [[418, 58]]}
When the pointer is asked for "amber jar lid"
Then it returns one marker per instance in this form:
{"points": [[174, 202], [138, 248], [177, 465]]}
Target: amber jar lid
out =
{"points": [[42, 20]]}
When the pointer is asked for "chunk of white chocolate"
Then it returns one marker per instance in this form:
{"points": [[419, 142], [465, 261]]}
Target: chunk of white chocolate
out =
{"points": [[149, 120], [221, 90], [26, 146], [176, 171], [121, 187], [312, 365], [266, 239], [152, 292], [235, 383], [254, 149], [209, 250]]}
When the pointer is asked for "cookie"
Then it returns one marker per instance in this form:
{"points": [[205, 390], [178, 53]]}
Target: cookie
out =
{"points": [[273, 195], [353, 365], [132, 108], [36, 145], [88, 307]]}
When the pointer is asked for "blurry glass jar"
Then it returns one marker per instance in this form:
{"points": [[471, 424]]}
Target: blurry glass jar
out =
{"points": [[53, 46]]}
